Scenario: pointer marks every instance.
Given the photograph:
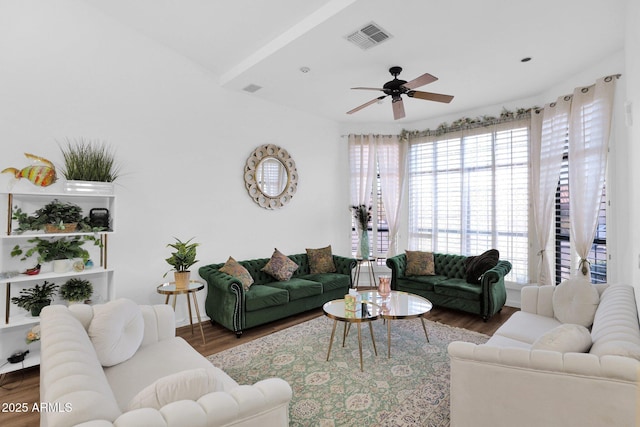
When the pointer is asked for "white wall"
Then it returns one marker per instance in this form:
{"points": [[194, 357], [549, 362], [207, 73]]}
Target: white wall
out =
{"points": [[67, 71]]}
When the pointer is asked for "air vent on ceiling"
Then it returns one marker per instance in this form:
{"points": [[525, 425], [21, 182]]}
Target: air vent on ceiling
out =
{"points": [[368, 36], [252, 88]]}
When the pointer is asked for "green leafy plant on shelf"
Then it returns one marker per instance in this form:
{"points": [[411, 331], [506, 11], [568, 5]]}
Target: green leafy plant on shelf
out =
{"points": [[76, 289], [88, 160], [62, 216], [51, 250], [34, 299]]}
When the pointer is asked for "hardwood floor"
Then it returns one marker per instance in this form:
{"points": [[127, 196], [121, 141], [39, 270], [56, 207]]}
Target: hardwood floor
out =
{"points": [[24, 388]]}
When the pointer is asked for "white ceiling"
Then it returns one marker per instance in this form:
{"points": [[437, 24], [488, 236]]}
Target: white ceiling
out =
{"points": [[473, 47]]}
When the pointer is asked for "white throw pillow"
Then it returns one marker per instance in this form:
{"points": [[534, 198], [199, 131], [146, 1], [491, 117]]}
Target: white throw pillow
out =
{"points": [[116, 331], [185, 385], [575, 301], [567, 338]]}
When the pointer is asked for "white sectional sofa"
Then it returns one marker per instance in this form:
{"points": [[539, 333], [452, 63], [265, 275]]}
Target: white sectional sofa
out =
{"points": [[510, 381], [121, 364]]}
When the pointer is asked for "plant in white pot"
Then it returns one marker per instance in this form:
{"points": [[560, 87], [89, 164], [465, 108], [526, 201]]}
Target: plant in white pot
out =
{"points": [[89, 166], [58, 251], [181, 260]]}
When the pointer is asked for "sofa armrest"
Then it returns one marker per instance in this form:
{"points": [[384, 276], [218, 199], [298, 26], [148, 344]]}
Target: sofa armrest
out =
{"points": [[344, 265], [159, 323], [225, 297], [537, 300], [494, 292], [264, 403], [397, 264], [516, 386]]}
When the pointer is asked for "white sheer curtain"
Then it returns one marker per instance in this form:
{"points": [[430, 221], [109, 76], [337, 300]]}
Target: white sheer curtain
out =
{"points": [[589, 131], [392, 160], [549, 128], [362, 166]]}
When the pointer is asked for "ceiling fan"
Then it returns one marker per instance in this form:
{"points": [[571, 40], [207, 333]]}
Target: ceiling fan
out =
{"points": [[396, 87]]}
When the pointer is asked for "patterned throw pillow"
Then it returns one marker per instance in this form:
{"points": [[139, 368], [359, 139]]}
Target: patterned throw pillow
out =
{"points": [[233, 268], [420, 264], [321, 260], [280, 266], [476, 266]]}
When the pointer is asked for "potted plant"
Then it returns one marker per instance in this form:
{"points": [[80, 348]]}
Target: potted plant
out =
{"points": [[34, 299], [89, 166], [87, 160], [54, 217], [76, 290], [183, 258], [54, 250]]}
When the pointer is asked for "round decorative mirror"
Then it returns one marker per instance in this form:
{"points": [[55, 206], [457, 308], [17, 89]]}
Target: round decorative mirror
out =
{"points": [[270, 176]]}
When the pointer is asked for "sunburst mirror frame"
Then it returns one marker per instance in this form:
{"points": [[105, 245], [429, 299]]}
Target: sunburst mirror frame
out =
{"points": [[252, 184]]}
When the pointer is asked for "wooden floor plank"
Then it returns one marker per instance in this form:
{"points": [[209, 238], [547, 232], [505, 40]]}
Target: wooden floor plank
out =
{"points": [[23, 387]]}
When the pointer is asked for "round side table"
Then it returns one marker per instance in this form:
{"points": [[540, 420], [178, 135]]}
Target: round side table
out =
{"points": [[169, 289]]}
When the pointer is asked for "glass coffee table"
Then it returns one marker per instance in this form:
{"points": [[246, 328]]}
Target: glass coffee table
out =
{"points": [[367, 312], [399, 305]]}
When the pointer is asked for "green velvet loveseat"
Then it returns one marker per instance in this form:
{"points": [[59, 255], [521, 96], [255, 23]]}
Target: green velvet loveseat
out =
{"points": [[449, 287], [268, 299]]}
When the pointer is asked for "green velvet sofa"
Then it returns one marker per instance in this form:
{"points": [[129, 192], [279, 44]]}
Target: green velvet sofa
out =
{"points": [[267, 299], [449, 287]]}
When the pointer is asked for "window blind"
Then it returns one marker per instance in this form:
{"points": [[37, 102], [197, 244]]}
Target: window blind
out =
{"points": [[469, 193]]}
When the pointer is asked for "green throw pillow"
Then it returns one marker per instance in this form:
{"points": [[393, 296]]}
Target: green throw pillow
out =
{"points": [[321, 260], [280, 266], [233, 268]]}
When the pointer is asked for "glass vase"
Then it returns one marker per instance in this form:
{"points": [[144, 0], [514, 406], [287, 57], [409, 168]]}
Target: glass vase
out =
{"points": [[384, 286], [364, 244]]}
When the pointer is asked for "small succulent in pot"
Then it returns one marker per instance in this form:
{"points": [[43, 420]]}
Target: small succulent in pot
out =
{"points": [[76, 290], [34, 299]]}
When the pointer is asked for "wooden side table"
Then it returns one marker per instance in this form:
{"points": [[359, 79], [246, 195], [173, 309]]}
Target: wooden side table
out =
{"points": [[169, 289]]}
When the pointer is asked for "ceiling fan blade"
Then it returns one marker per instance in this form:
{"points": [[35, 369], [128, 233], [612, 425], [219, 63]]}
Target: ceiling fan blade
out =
{"points": [[367, 88], [424, 79], [430, 96], [366, 104], [398, 109]]}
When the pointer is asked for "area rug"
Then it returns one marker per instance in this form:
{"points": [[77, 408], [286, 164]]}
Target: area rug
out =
{"points": [[409, 389]]}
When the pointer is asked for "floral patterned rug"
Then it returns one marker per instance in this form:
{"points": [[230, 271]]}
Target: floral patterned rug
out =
{"points": [[409, 389]]}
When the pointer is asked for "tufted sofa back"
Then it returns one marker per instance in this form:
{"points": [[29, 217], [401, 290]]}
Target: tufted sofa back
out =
{"points": [[450, 265]]}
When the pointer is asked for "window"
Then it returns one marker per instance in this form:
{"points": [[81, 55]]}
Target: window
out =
{"points": [[470, 193], [598, 254]]}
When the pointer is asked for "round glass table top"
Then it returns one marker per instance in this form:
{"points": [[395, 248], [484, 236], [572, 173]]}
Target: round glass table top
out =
{"points": [[365, 312], [170, 288], [398, 305]]}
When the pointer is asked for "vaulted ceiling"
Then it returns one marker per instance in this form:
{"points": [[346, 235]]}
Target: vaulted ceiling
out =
{"points": [[474, 47]]}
